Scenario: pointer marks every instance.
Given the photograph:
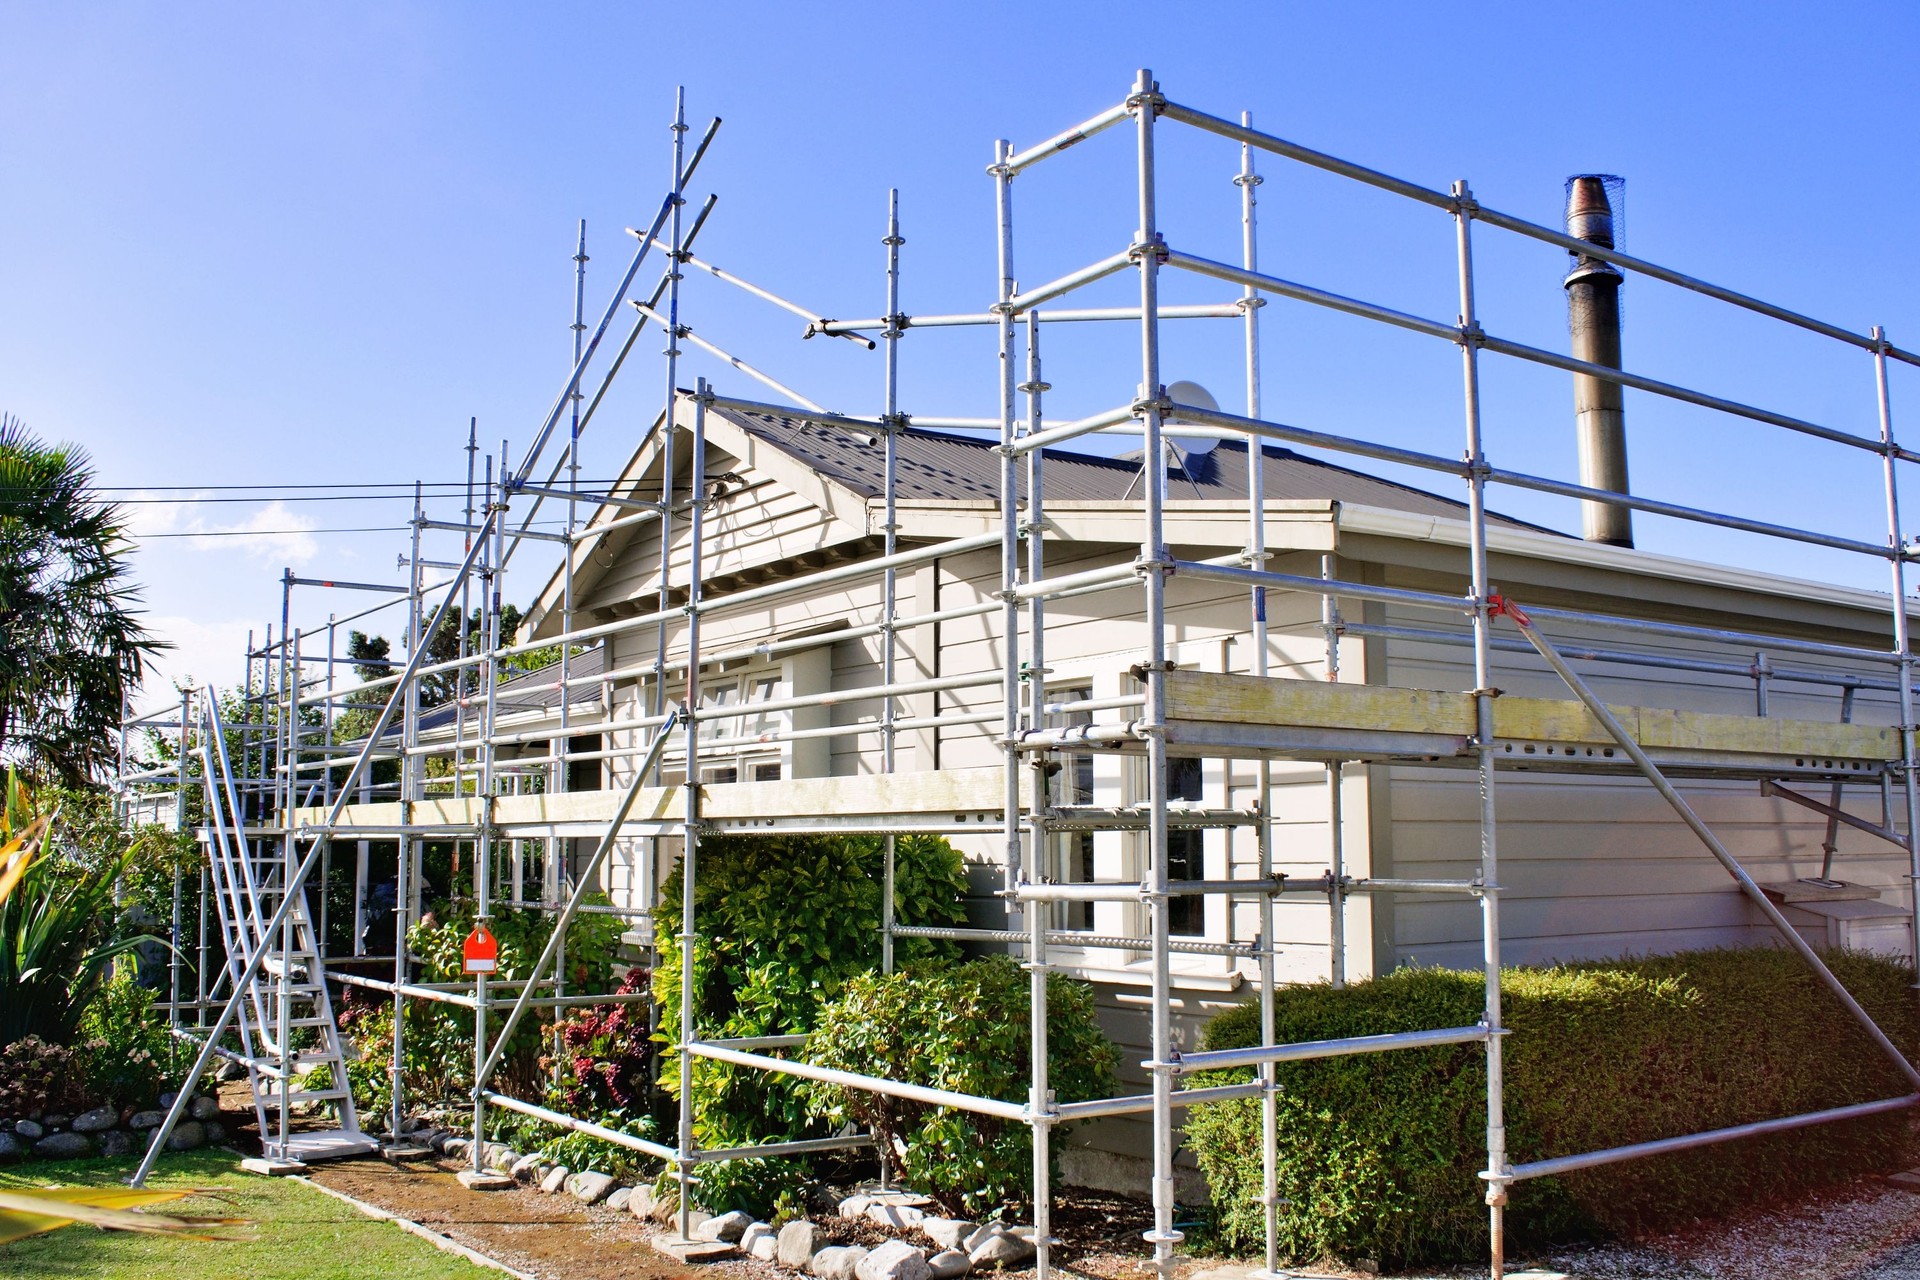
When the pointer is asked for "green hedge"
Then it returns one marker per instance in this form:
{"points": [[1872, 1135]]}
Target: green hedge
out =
{"points": [[1379, 1153]]}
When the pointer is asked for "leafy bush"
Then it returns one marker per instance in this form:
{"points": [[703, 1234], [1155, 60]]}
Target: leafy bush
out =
{"points": [[1379, 1153], [963, 1028], [579, 1152], [784, 922], [437, 1049], [366, 1026], [593, 942], [127, 1054], [582, 1152], [441, 1036], [90, 834], [37, 1077], [59, 930]]}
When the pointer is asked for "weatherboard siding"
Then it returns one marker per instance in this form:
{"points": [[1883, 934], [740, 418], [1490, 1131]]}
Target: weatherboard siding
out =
{"points": [[1601, 866]]}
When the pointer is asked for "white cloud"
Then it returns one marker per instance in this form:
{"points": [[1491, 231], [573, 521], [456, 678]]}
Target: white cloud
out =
{"points": [[271, 533], [203, 652]]}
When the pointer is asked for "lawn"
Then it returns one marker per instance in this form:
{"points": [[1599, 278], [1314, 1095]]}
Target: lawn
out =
{"points": [[297, 1233]]}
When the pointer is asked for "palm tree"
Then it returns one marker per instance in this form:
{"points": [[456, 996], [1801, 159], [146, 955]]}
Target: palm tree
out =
{"points": [[71, 644]]}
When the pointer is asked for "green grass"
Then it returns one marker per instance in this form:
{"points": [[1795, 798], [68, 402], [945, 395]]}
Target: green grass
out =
{"points": [[297, 1233]]}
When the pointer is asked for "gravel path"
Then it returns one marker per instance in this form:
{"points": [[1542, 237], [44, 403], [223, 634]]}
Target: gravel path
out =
{"points": [[1902, 1264], [1867, 1230]]}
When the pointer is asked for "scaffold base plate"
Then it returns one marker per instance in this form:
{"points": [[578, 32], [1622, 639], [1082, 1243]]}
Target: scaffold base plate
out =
{"points": [[693, 1252], [329, 1144], [406, 1151]]}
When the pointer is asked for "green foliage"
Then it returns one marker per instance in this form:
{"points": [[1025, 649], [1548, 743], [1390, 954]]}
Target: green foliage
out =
{"points": [[783, 923], [89, 835], [71, 643], [366, 1025], [963, 1028], [359, 710], [37, 1077], [445, 646], [59, 934], [441, 1036], [579, 1152], [582, 1152], [593, 942], [126, 1052], [1379, 1153]]}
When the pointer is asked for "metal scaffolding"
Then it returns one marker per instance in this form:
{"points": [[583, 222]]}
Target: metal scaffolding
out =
{"points": [[292, 790]]}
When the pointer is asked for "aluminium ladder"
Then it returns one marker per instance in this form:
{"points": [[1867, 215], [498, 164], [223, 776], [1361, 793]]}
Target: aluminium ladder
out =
{"points": [[286, 1001]]}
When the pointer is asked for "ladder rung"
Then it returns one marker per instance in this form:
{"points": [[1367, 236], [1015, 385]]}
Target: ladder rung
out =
{"points": [[272, 1070], [275, 1098]]}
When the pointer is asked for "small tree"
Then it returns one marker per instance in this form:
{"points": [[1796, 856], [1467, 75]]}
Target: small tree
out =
{"points": [[71, 643]]}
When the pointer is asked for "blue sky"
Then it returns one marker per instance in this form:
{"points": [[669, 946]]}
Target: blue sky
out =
{"points": [[268, 245]]}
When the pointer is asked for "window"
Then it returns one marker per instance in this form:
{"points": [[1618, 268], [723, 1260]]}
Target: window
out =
{"points": [[733, 748], [1186, 846], [1069, 854], [585, 775], [719, 697], [761, 723], [1183, 778], [1186, 861]]}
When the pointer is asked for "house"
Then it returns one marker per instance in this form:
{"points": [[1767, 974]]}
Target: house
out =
{"points": [[1593, 863]]}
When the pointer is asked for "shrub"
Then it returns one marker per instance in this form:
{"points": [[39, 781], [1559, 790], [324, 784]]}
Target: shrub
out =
{"points": [[37, 1077], [90, 833], [784, 922], [582, 1152], [366, 1026], [593, 942], [441, 1036], [963, 1028], [437, 1056], [127, 1054], [602, 1058], [1379, 1153]]}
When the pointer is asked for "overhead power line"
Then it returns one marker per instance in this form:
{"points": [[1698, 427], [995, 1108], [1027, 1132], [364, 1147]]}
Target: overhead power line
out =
{"points": [[200, 494], [264, 533]]}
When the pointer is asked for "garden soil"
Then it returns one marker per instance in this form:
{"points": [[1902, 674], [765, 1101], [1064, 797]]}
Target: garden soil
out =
{"points": [[1867, 1230], [539, 1234]]}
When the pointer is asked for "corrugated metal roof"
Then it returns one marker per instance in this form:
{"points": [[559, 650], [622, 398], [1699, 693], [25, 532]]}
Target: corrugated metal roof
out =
{"points": [[934, 465], [534, 691]]}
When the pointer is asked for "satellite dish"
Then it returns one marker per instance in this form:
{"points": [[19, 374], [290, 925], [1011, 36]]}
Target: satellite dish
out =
{"points": [[1192, 393]]}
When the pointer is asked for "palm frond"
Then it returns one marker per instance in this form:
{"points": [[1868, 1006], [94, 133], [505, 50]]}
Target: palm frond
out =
{"points": [[30, 1212]]}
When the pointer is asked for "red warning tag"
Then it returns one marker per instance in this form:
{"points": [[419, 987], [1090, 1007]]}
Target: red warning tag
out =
{"points": [[481, 952]]}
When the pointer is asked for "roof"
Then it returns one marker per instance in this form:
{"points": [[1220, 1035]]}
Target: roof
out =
{"points": [[820, 461], [933, 465], [536, 690]]}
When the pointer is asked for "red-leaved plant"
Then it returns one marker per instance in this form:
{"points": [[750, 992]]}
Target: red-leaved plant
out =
{"points": [[600, 1056]]}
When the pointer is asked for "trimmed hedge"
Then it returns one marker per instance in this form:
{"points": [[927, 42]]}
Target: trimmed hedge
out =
{"points": [[1380, 1153]]}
